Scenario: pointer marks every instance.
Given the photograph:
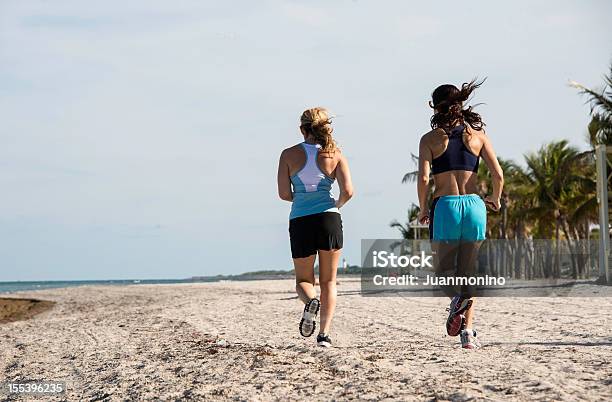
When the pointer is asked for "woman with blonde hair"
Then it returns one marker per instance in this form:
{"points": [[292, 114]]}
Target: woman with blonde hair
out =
{"points": [[306, 172]]}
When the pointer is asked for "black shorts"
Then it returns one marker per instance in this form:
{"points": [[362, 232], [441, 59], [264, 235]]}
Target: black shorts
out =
{"points": [[315, 232]]}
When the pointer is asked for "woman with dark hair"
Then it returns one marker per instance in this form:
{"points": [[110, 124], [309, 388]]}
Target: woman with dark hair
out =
{"points": [[306, 173], [457, 216]]}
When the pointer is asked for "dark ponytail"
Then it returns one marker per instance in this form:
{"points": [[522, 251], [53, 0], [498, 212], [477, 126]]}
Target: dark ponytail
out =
{"points": [[447, 101]]}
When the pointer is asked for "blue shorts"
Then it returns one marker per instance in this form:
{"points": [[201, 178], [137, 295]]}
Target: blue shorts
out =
{"points": [[458, 217]]}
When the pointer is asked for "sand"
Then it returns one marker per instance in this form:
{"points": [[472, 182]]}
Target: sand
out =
{"points": [[12, 309], [239, 341]]}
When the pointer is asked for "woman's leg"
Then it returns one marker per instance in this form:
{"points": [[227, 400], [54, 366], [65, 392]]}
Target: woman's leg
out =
{"points": [[305, 278], [328, 266], [474, 228], [445, 263], [469, 314], [445, 233], [468, 267]]}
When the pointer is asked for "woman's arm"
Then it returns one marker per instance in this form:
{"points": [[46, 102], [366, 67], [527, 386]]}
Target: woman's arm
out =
{"points": [[284, 182], [423, 181], [343, 175], [497, 174]]}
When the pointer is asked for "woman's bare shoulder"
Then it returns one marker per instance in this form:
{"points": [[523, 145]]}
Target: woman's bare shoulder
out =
{"points": [[480, 133], [340, 157], [431, 136], [292, 151]]}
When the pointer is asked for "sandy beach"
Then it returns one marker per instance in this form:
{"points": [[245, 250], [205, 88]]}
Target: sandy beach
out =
{"points": [[239, 341]]}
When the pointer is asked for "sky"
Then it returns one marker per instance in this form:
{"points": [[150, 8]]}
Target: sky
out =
{"points": [[141, 139]]}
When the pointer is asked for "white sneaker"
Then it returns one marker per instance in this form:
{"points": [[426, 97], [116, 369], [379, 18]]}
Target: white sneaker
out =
{"points": [[324, 341], [308, 322], [469, 340]]}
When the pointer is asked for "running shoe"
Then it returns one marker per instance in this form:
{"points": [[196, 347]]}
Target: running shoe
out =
{"points": [[308, 322], [324, 341], [456, 319], [469, 340]]}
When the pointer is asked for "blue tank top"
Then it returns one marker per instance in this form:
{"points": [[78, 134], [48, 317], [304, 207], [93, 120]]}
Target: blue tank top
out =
{"points": [[311, 187], [456, 156]]}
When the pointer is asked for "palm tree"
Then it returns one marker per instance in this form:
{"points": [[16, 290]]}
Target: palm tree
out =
{"points": [[561, 190], [600, 127], [405, 230], [414, 175], [599, 133], [511, 223], [408, 233]]}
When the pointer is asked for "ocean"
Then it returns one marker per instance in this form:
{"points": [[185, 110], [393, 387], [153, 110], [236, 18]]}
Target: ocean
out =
{"points": [[10, 287]]}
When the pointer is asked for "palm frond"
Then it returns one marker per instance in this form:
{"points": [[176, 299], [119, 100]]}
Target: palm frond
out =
{"points": [[597, 99], [600, 101], [585, 210], [410, 176]]}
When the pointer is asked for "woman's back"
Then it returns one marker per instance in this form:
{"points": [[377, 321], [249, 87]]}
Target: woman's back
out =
{"points": [[452, 150], [311, 178], [297, 158], [455, 159]]}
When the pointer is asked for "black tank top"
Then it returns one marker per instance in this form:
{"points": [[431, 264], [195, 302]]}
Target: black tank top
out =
{"points": [[456, 156]]}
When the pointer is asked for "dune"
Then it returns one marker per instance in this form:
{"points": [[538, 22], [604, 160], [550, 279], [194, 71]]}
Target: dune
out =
{"points": [[15, 309]]}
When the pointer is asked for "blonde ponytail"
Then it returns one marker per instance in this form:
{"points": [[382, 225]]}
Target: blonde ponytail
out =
{"points": [[316, 122]]}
